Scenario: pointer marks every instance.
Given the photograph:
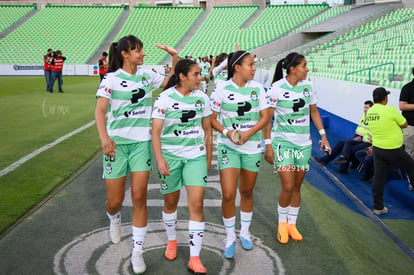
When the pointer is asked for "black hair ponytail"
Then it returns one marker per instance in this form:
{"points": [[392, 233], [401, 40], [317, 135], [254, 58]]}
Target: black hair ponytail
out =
{"points": [[291, 60], [182, 67], [125, 44]]}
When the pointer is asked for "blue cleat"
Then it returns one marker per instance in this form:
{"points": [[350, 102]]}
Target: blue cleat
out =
{"points": [[247, 244], [229, 251]]}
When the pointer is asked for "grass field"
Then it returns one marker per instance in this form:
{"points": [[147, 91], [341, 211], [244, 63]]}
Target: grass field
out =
{"points": [[31, 118], [338, 241]]}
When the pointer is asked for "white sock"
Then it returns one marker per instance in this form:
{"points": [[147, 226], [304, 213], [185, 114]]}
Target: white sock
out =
{"points": [[138, 238], [293, 214], [196, 232], [230, 225], [170, 224], [283, 213], [114, 218], [204, 85], [245, 220]]}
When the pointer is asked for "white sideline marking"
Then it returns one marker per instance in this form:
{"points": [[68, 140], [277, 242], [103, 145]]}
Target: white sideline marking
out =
{"points": [[16, 164]]}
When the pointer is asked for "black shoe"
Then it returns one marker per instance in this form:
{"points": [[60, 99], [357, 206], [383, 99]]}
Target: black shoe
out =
{"points": [[61, 92], [321, 161], [49, 91], [354, 165], [341, 160], [341, 172]]}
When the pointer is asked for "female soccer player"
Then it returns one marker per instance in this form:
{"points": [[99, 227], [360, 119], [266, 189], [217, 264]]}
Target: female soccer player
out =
{"points": [[241, 104], [181, 140], [219, 69], [292, 99], [125, 97]]}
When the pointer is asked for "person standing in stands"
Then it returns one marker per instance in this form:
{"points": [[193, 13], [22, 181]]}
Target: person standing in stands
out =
{"points": [[123, 114], [57, 67], [292, 99], [406, 105], [385, 124], [241, 104], [47, 67], [181, 139], [103, 65]]}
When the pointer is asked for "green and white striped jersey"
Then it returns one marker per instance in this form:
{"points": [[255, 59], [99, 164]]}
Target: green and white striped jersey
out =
{"points": [[182, 135], [239, 108], [205, 67], [130, 103], [291, 114]]}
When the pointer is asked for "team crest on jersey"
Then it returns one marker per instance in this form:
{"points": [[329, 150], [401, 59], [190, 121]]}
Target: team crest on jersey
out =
{"points": [[306, 93], [108, 168], [164, 185], [254, 96], [224, 159], [145, 82], [198, 105]]}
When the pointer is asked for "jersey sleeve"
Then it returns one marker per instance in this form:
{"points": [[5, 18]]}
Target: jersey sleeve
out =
{"points": [[216, 99], [314, 97], [271, 97], [100, 63], [105, 88], [263, 99], [157, 78], [207, 108], [219, 68], [158, 111]]}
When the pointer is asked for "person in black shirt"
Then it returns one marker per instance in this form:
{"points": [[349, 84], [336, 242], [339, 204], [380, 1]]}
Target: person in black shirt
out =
{"points": [[406, 105]]}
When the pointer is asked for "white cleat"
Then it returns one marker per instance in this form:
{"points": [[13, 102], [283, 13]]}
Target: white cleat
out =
{"points": [[137, 261]]}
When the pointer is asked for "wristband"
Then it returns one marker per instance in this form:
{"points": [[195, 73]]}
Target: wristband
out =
{"points": [[322, 132], [268, 141], [224, 132]]}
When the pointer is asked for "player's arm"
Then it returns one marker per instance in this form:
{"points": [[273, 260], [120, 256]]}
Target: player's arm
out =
{"points": [[269, 153], [108, 145], [174, 54], [316, 118], [163, 167], [208, 134]]}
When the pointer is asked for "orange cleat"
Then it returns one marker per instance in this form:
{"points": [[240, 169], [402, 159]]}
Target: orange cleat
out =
{"points": [[171, 250], [294, 233], [282, 233], [195, 266]]}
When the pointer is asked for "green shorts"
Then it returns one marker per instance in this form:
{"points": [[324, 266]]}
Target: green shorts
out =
{"points": [[287, 153], [188, 172], [230, 158], [135, 157]]}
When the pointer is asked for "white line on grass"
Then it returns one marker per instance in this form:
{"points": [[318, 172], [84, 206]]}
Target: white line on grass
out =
{"points": [[16, 164]]}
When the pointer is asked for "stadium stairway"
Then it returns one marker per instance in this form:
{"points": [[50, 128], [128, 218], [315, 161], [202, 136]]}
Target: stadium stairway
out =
{"points": [[397, 198], [338, 26], [18, 23], [183, 42], [110, 38], [252, 18]]}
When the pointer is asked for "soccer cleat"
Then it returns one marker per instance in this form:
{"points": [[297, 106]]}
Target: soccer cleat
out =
{"points": [[230, 250], [137, 261], [294, 233], [171, 250], [246, 242], [282, 233], [381, 211], [195, 266], [115, 232]]}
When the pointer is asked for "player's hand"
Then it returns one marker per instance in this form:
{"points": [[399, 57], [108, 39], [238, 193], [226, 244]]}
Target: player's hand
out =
{"points": [[108, 147], [269, 154], [168, 49], [163, 167], [325, 145]]}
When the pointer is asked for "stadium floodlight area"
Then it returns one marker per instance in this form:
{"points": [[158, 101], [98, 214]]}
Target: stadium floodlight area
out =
{"points": [[162, 25], [11, 14], [379, 52], [78, 31], [222, 29]]}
